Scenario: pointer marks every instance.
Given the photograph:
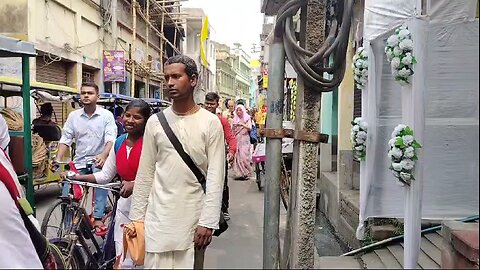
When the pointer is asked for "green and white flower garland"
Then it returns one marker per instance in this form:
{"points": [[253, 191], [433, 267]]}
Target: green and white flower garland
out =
{"points": [[359, 138], [399, 51], [360, 68], [403, 153]]}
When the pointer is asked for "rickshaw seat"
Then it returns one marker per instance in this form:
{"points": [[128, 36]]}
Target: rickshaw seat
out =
{"points": [[48, 132]]}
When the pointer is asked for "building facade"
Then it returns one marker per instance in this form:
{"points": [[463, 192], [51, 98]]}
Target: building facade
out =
{"points": [[241, 66], [194, 23], [70, 38]]}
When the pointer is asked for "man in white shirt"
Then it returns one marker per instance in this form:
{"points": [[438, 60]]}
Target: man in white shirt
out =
{"points": [[179, 217], [94, 131], [4, 136]]}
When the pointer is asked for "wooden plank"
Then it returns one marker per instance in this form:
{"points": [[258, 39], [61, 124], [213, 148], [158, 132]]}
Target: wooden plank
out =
{"points": [[397, 252], [436, 239], [425, 262], [388, 259], [431, 250], [372, 261]]}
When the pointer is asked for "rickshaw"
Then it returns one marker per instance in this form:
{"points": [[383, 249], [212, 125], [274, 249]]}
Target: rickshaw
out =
{"points": [[62, 97], [20, 141]]}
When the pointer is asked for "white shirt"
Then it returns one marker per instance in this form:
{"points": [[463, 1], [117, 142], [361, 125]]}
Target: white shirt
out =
{"points": [[16, 247], [167, 195], [90, 134], [4, 136]]}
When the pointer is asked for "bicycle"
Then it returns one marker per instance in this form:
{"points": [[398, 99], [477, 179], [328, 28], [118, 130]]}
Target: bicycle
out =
{"points": [[259, 158], [61, 208], [73, 244]]}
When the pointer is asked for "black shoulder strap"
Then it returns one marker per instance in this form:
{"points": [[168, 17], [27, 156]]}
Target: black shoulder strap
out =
{"points": [[178, 146]]}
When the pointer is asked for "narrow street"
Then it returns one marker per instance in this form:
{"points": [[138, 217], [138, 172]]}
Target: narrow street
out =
{"points": [[241, 245]]}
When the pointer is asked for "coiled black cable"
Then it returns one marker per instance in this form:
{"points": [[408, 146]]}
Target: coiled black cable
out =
{"points": [[309, 65]]}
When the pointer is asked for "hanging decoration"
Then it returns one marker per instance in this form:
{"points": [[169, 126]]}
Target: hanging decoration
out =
{"points": [[399, 51], [403, 153], [359, 138], [360, 68]]}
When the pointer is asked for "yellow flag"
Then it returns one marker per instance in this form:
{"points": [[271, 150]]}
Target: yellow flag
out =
{"points": [[203, 40]]}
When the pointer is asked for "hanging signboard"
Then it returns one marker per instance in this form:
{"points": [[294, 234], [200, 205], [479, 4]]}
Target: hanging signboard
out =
{"points": [[265, 78], [113, 66]]}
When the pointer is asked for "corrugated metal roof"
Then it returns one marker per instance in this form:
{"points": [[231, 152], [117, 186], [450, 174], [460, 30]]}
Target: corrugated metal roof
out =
{"points": [[11, 47]]}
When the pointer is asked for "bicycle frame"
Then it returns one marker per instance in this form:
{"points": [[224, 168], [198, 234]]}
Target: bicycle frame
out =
{"points": [[82, 229]]}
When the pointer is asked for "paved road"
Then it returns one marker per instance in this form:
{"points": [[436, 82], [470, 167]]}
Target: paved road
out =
{"points": [[241, 245]]}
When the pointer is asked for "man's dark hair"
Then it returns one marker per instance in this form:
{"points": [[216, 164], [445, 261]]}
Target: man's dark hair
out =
{"points": [[212, 96], [226, 102], [46, 109], [90, 84], [143, 106], [190, 65], [240, 102]]}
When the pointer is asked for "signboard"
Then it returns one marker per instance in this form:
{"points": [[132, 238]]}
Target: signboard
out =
{"points": [[265, 78], [114, 66]]}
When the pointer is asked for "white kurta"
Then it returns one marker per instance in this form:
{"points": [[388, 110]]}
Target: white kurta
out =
{"points": [[167, 195]]}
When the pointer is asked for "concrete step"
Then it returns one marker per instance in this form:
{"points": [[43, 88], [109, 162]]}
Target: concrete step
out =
{"points": [[330, 262]]}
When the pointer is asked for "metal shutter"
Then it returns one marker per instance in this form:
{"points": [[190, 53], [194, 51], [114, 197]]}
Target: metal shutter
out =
{"points": [[54, 73]]}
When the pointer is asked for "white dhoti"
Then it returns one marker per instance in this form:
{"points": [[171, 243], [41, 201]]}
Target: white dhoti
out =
{"points": [[178, 259]]}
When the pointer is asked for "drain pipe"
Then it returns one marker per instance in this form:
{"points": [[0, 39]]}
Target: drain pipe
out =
{"points": [[381, 243]]}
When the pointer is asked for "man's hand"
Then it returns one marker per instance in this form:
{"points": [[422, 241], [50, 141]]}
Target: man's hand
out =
{"points": [[127, 189], [203, 237], [54, 165], [100, 160]]}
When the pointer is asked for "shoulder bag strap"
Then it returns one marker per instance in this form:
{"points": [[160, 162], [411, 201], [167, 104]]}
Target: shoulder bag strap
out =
{"points": [[178, 146]]}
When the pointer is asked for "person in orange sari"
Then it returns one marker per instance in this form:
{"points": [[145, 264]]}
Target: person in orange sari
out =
{"points": [[242, 125]]}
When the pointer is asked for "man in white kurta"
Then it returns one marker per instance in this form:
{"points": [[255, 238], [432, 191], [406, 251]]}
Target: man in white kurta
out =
{"points": [[168, 196]]}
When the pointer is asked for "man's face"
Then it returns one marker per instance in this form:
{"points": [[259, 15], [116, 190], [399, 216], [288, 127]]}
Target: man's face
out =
{"points": [[211, 105], [231, 105], [179, 85], [88, 95]]}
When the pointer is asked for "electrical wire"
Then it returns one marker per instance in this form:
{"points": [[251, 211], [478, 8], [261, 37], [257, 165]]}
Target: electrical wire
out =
{"points": [[312, 66]]}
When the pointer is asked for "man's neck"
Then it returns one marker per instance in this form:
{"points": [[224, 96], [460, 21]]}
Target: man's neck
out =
{"points": [[183, 106], [90, 109]]}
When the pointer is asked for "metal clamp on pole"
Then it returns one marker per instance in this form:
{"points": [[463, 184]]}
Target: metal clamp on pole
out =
{"points": [[299, 135]]}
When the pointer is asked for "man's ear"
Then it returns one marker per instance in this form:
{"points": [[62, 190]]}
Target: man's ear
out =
{"points": [[194, 81]]}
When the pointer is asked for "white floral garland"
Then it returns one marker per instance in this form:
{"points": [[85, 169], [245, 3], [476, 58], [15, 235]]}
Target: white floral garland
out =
{"points": [[360, 68], [399, 53], [359, 138], [403, 153]]}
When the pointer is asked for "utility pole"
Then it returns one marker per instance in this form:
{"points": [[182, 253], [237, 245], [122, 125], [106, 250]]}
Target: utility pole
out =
{"points": [[302, 207], [134, 38], [271, 241], [114, 25]]}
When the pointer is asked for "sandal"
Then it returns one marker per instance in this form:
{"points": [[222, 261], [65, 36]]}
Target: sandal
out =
{"points": [[100, 229]]}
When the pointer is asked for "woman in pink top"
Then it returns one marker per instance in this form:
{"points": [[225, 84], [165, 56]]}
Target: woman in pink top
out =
{"points": [[242, 125]]}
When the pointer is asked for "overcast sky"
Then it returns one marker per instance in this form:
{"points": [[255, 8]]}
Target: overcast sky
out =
{"points": [[233, 20]]}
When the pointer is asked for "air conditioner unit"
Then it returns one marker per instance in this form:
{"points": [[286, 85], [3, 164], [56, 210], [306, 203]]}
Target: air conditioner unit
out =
{"points": [[156, 65]]}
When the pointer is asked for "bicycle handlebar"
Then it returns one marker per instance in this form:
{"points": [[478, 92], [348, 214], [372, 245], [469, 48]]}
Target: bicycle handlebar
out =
{"points": [[110, 186]]}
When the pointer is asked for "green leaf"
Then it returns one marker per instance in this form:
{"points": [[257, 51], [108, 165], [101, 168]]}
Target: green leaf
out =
{"points": [[399, 143], [408, 131], [416, 144], [414, 60], [415, 157]]}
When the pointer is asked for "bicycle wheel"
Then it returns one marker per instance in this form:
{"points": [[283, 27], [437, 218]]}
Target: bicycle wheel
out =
{"points": [[58, 219], [285, 185], [260, 175], [73, 260]]}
